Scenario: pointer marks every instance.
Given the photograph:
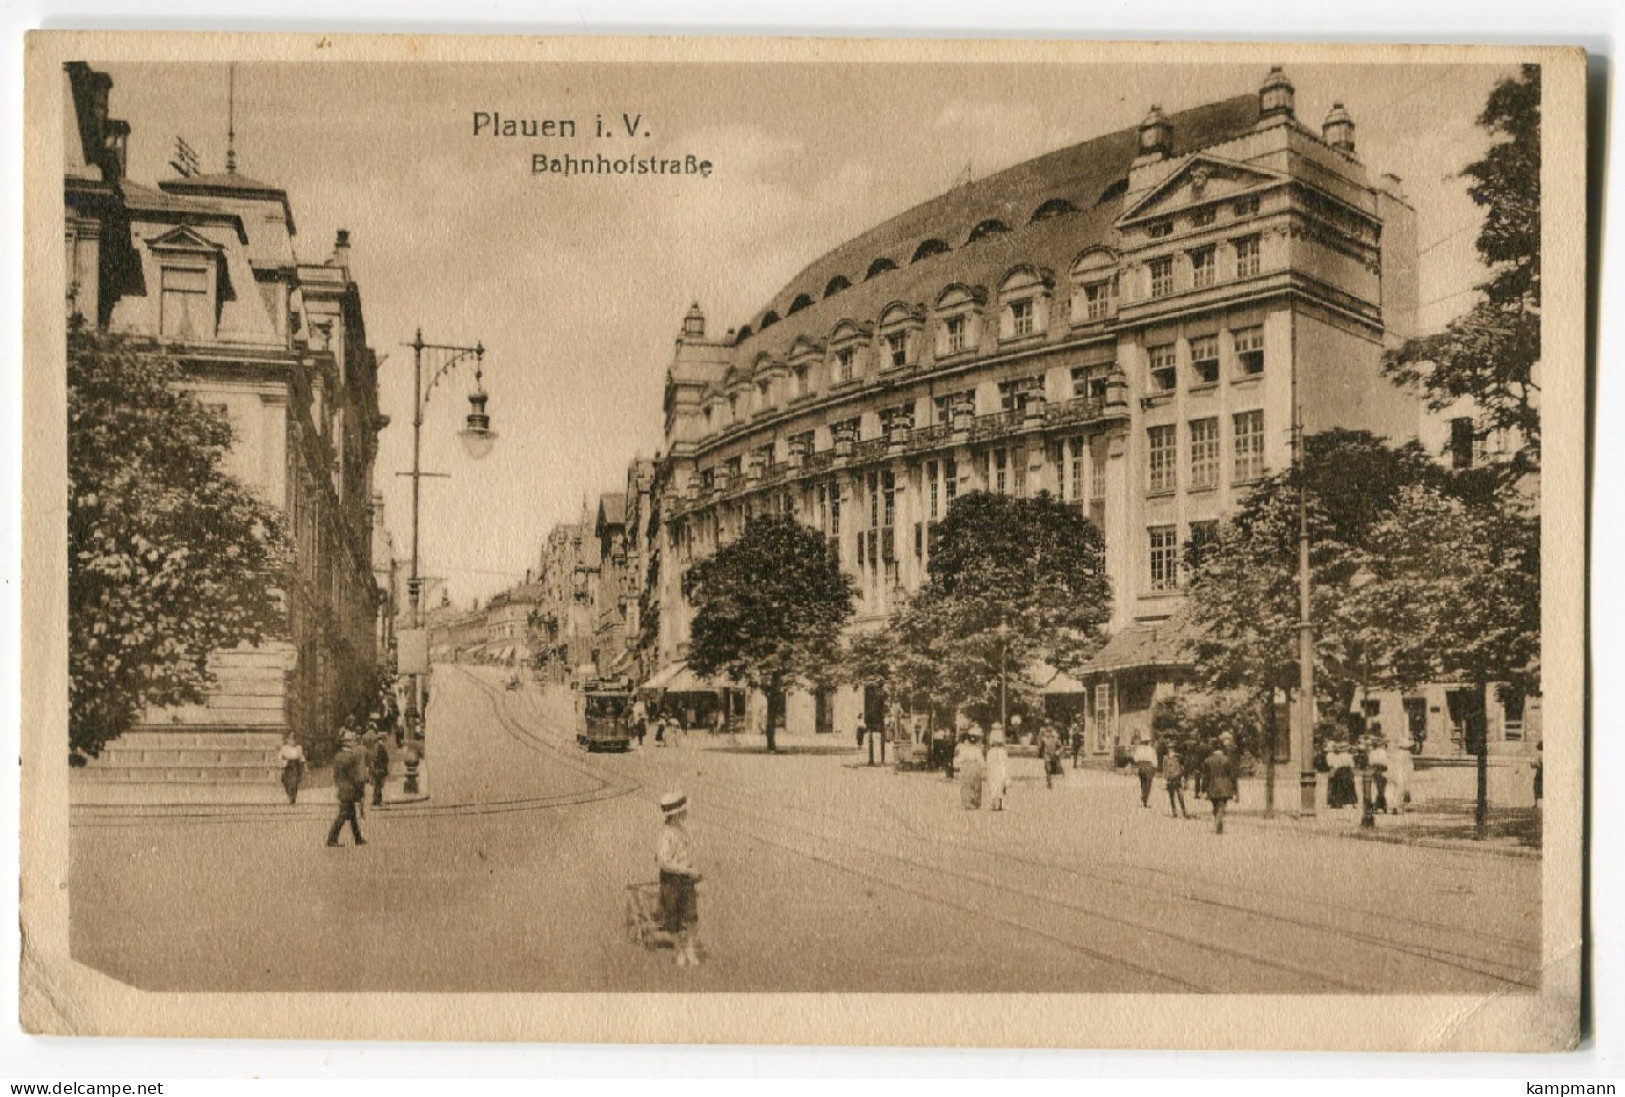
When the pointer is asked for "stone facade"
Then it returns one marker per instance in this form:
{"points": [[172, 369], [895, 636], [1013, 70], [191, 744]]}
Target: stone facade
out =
{"points": [[205, 266], [1130, 324]]}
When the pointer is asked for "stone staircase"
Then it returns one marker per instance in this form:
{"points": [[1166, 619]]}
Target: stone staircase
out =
{"points": [[192, 756]]}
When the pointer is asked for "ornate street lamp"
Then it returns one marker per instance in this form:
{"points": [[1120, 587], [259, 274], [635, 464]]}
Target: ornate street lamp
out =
{"points": [[477, 437]]}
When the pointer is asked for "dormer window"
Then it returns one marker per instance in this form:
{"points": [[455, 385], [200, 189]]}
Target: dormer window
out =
{"points": [[1158, 229], [844, 359], [953, 330], [897, 349], [1246, 207], [1203, 217], [185, 309], [798, 381], [958, 320], [1021, 317]]}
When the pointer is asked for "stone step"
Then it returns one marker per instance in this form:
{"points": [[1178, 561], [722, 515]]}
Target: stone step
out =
{"points": [[188, 756], [169, 774], [208, 738]]}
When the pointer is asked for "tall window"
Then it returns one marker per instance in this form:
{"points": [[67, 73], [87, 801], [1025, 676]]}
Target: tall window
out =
{"points": [[1249, 343], [1013, 393], [1162, 276], [1249, 436], [950, 482], [798, 382], [1205, 359], [1162, 459], [998, 471], [933, 488], [1202, 267], [1097, 299], [1018, 472], [954, 329], [1163, 377], [943, 406], [1246, 257], [897, 348], [1204, 453], [1089, 381], [1103, 715], [1203, 535], [1164, 544], [1074, 452], [1097, 468], [184, 308]]}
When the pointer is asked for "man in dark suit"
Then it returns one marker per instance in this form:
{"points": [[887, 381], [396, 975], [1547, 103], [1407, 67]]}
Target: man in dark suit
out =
{"points": [[1220, 770], [349, 781]]}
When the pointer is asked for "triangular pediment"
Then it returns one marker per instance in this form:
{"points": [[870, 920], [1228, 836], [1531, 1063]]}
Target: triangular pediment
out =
{"points": [[183, 238], [1200, 179]]}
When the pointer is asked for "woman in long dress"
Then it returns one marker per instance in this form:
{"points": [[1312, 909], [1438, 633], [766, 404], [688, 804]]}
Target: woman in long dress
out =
{"points": [[998, 769], [1340, 787], [292, 756]]}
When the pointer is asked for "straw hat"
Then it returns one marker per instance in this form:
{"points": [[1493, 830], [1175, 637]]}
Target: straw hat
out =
{"points": [[672, 803]]}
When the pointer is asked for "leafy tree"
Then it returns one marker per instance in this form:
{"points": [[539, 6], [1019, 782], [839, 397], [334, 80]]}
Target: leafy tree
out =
{"points": [[1010, 581], [769, 609], [1490, 353], [1243, 600], [170, 558]]}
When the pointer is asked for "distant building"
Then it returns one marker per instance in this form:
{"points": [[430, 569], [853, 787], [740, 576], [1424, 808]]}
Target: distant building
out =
{"points": [[204, 265]]}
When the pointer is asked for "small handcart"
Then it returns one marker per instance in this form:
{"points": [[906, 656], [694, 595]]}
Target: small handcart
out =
{"points": [[643, 916]]}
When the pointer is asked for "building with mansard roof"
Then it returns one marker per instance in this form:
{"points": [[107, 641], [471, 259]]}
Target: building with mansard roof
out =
{"points": [[1130, 324], [204, 267]]}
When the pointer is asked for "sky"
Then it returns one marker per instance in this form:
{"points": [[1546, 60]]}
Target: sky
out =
{"points": [[577, 286]]}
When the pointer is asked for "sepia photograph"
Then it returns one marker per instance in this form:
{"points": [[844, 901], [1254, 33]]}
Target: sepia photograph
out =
{"points": [[721, 541]]}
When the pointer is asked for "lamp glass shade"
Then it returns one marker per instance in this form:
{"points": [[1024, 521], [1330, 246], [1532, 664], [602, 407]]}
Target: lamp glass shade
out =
{"points": [[477, 440]]}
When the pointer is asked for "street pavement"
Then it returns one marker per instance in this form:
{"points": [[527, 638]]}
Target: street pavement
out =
{"points": [[821, 873]]}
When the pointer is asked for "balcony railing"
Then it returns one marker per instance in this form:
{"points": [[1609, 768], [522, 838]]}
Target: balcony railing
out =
{"points": [[995, 426], [869, 450], [930, 437], [1080, 409]]}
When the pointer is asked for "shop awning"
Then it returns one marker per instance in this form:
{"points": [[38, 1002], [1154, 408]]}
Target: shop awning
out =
{"points": [[678, 678]]}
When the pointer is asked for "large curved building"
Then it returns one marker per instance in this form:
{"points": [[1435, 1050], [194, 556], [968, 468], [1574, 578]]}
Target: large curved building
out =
{"points": [[1130, 323]]}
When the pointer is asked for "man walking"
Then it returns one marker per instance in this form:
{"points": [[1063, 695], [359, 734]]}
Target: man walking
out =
{"points": [[1173, 775], [1221, 784], [379, 765], [1049, 749], [1145, 762], [349, 779]]}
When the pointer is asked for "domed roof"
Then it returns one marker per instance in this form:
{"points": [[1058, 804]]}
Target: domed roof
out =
{"points": [[1090, 176]]}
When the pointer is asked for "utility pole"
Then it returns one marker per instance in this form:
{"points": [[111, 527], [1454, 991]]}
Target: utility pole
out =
{"points": [[1304, 748]]}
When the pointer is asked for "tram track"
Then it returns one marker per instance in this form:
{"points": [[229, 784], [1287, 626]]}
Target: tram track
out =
{"points": [[1336, 933]]}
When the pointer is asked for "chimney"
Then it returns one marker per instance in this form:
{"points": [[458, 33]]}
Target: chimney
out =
{"points": [[1338, 129], [694, 323], [341, 249], [1156, 136], [1276, 95]]}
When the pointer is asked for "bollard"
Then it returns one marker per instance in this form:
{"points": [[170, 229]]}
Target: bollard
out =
{"points": [[1368, 818], [410, 787]]}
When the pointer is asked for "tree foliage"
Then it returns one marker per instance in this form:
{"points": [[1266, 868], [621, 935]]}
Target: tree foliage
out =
{"points": [[1490, 353], [170, 558], [769, 608], [1416, 575], [1033, 566]]}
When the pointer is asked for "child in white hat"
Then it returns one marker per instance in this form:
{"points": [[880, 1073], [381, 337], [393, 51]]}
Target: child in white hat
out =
{"points": [[679, 905]]}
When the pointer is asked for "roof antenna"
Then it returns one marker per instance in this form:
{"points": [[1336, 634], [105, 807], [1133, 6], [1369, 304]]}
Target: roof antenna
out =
{"points": [[231, 120]]}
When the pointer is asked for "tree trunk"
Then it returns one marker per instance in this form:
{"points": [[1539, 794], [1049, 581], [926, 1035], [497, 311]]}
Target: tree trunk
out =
{"points": [[775, 706], [1269, 753]]}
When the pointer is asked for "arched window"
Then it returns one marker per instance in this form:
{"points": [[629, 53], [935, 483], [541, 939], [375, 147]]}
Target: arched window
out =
{"points": [[769, 318], [836, 285], [802, 301], [929, 248], [744, 333], [1116, 190], [879, 266], [1053, 208], [987, 228]]}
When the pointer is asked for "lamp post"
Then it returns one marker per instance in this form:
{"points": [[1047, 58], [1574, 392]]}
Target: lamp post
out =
{"points": [[477, 437], [1004, 681], [1306, 635]]}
